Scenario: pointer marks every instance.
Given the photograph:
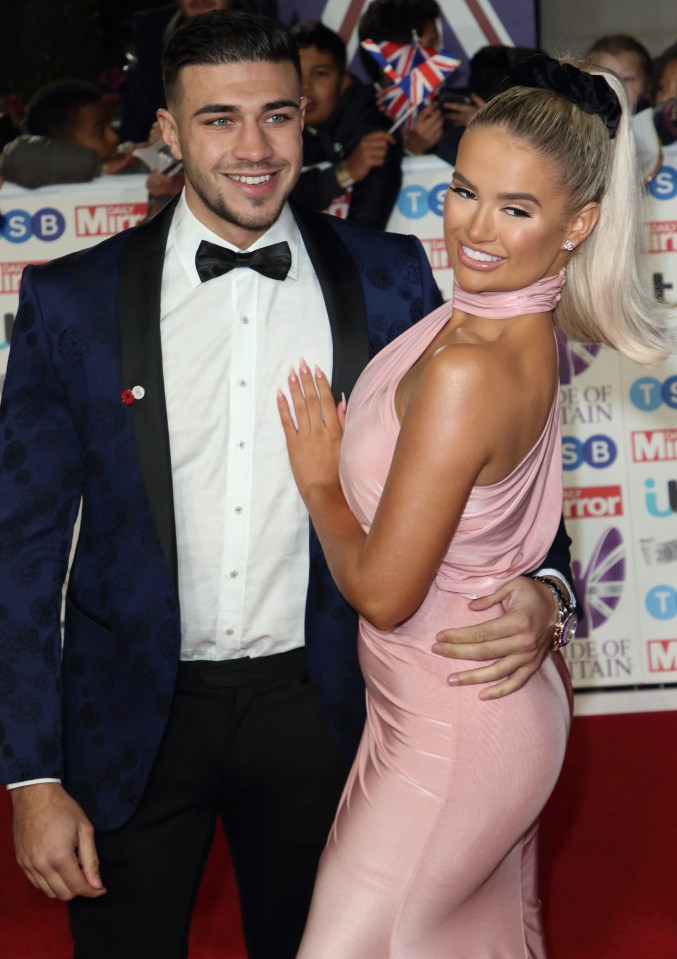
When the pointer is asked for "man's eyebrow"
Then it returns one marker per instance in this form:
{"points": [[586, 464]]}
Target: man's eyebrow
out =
{"points": [[529, 197], [212, 108]]}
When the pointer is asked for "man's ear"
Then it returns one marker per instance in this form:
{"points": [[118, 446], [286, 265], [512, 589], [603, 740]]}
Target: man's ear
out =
{"points": [[170, 132], [583, 224]]}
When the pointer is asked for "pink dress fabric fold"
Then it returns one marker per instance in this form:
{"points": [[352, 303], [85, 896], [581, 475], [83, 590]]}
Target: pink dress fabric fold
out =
{"points": [[433, 851]]}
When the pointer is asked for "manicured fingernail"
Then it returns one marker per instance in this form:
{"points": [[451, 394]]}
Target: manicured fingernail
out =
{"points": [[292, 375], [319, 375], [344, 400], [453, 680], [303, 366]]}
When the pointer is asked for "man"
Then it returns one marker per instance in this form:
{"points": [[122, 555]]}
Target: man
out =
{"points": [[143, 379]]}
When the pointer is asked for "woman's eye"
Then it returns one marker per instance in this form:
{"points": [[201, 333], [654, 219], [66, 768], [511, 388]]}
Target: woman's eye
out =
{"points": [[516, 211], [462, 192]]}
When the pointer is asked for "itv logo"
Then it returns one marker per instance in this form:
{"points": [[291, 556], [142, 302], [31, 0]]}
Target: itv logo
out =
{"points": [[666, 505]]}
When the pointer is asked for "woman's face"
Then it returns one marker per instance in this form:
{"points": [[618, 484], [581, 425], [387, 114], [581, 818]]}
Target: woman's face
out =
{"points": [[505, 217], [628, 67], [666, 88]]}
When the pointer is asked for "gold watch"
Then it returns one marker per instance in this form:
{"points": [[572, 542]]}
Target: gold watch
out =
{"points": [[342, 175]]}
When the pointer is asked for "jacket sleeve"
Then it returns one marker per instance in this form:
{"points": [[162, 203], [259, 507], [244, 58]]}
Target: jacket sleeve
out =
{"points": [[41, 469], [559, 559], [32, 161]]}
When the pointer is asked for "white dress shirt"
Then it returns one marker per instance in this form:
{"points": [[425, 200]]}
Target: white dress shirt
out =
{"points": [[241, 526]]}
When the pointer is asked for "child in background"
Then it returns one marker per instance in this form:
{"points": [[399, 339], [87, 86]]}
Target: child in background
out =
{"points": [[630, 61], [69, 139], [348, 154], [666, 76], [655, 126]]}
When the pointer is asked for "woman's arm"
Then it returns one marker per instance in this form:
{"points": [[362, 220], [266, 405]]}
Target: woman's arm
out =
{"points": [[449, 429]]}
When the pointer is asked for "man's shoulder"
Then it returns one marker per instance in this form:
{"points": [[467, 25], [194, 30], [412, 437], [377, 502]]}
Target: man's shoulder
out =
{"points": [[105, 256], [93, 259], [366, 238]]}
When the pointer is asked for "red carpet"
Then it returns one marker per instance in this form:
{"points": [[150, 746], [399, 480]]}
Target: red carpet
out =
{"points": [[609, 855]]}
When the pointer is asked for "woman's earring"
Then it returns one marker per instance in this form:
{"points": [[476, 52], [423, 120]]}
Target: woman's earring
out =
{"points": [[569, 245]]}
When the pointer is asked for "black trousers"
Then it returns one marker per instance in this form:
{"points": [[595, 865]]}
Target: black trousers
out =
{"points": [[245, 744]]}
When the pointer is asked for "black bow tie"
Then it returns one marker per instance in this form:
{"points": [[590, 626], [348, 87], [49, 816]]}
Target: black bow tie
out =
{"points": [[212, 260]]}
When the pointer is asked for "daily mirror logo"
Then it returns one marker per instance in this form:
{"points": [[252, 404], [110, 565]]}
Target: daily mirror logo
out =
{"points": [[108, 219], [592, 502], [653, 446]]}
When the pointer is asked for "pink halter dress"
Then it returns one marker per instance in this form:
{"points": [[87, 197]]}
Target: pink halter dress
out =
{"points": [[433, 850]]}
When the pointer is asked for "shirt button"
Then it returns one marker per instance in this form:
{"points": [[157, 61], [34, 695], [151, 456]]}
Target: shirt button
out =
{"points": [[238, 509], [242, 382], [241, 444], [245, 320], [233, 574], [230, 631]]}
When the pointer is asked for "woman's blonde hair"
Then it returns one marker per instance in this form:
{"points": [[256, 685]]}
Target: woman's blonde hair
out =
{"points": [[605, 298]]}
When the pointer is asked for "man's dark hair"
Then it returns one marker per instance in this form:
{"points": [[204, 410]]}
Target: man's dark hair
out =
{"points": [[313, 33], [393, 20], [53, 110], [225, 36]]}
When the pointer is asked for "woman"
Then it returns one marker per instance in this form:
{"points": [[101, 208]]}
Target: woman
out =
{"points": [[450, 476]]}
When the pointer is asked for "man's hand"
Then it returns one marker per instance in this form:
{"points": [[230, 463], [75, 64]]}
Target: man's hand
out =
{"points": [[54, 842], [370, 152], [519, 640]]}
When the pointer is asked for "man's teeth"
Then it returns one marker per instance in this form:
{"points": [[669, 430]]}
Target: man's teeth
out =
{"points": [[252, 179], [478, 255]]}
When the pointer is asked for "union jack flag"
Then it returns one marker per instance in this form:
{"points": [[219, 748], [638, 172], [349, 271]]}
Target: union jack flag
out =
{"points": [[415, 71]]}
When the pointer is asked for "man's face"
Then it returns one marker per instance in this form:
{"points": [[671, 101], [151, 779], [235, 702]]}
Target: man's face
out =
{"points": [[322, 84], [237, 128], [93, 130], [191, 8]]}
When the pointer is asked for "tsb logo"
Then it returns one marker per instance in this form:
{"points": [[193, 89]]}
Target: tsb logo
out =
{"points": [[598, 451], [664, 184], [661, 602], [415, 201], [649, 393], [47, 224]]}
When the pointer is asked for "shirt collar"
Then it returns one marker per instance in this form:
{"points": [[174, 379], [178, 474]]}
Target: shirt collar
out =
{"points": [[187, 232]]}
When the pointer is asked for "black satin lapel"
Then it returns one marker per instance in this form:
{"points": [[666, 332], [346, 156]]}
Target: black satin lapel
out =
{"points": [[343, 295], [139, 288]]}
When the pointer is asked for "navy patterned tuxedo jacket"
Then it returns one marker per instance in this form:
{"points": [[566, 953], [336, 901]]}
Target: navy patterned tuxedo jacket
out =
{"points": [[88, 328]]}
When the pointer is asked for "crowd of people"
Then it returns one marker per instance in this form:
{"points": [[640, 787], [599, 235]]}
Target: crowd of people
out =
{"points": [[73, 132], [322, 581]]}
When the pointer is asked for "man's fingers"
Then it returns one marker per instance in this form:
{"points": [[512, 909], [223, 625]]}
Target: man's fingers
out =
{"points": [[89, 859], [502, 648]]}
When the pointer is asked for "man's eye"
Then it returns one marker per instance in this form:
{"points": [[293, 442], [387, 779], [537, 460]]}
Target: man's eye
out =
{"points": [[219, 122]]}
